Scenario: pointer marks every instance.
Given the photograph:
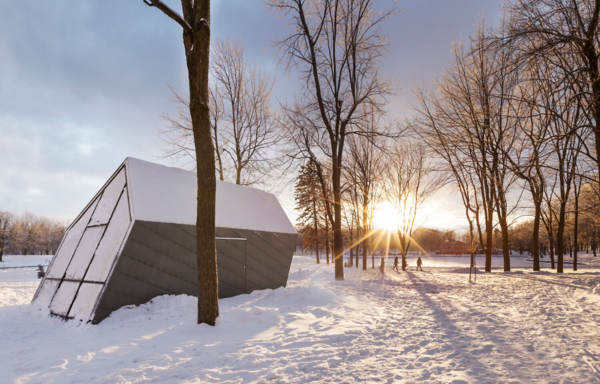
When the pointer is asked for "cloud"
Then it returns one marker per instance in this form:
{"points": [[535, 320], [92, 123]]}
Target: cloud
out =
{"points": [[86, 83]]}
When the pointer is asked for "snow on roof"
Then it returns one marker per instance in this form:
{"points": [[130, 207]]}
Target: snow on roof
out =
{"points": [[165, 194]]}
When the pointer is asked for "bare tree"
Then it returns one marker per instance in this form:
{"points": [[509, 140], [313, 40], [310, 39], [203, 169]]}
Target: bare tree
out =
{"points": [[528, 155], [350, 215], [29, 234], [573, 26], [195, 23], [243, 126], [410, 181], [363, 172], [549, 215], [577, 186], [250, 133], [470, 109], [566, 114], [502, 135], [336, 46], [443, 142]]}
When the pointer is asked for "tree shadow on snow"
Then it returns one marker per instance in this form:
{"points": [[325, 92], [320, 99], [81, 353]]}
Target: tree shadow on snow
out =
{"points": [[458, 338], [536, 276]]}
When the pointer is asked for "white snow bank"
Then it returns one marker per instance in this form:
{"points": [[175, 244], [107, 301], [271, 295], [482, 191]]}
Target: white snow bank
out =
{"points": [[167, 194], [430, 326]]}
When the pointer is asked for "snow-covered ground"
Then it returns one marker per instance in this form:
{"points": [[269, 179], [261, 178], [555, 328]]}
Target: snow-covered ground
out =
{"points": [[431, 326], [18, 279], [11, 261]]}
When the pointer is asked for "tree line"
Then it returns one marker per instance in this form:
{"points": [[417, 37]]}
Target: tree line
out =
{"points": [[514, 120], [581, 228], [513, 125], [29, 235]]}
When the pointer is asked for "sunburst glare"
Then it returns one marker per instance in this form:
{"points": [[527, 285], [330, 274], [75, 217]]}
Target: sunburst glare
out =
{"points": [[386, 217]]}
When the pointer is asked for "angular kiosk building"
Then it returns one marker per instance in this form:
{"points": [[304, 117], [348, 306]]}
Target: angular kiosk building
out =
{"points": [[136, 240]]}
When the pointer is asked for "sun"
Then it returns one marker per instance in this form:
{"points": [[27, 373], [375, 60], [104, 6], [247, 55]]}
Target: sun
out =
{"points": [[386, 217]]}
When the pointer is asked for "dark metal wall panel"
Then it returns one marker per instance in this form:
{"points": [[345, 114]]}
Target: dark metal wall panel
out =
{"points": [[269, 260], [231, 260], [159, 258], [152, 254], [269, 256], [170, 239]]}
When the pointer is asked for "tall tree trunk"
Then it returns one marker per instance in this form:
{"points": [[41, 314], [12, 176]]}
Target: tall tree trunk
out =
{"points": [[502, 213], [560, 240], [354, 249], [471, 252], [238, 175], [489, 233], [316, 226], [327, 240], [575, 232], [535, 241], [196, 45], [505, 245], [338, 241], [364, 254], [479, 231], [366, 236], [403, 251]]}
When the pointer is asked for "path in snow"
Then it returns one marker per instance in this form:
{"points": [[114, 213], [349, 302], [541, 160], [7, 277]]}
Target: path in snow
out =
{"points": [[433, 326]]}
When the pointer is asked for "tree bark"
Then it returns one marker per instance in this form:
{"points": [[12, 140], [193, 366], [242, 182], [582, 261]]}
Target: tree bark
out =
{"points": [[535, 241], [364, 230], [354, 249], [338, 241], [327, 240], [316, 227], [575, 231], [505, 245], [488, 244], [196, 45], [560, 233], [196, 41]]}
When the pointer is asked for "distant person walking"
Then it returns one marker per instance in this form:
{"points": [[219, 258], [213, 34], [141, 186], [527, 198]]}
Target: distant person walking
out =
{"points": [[419, 264]]}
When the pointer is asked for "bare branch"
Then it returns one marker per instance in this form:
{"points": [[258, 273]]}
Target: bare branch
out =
{"points": [[170, 13]]}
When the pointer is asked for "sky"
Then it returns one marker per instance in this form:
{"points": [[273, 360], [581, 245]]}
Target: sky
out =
{"points": [[84, 84]]}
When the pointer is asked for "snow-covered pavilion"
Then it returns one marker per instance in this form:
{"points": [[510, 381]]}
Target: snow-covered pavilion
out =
{"points": [[136, 240]]}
